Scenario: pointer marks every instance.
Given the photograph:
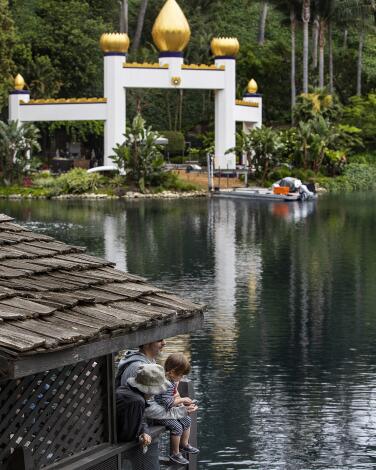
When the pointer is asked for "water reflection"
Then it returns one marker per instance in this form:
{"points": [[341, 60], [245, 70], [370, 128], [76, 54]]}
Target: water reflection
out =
{"points": [[285, 368], [115, 244], [292, 211]]}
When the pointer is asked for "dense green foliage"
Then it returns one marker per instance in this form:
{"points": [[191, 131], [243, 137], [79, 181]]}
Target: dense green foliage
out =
{"points": [[56, 50], [139, 157], [76, 181], [17, 142], [176, 142], [361, 112], [356, 177], [54, 45]]}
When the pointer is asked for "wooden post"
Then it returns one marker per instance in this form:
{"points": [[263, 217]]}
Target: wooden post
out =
{"points": [[186, 390], [111, 400], [21, 459]]}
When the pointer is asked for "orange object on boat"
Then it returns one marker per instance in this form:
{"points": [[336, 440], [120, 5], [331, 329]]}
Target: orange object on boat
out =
{"points": [[281, 190]]}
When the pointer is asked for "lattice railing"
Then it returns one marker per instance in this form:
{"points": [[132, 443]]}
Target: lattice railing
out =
{"points": [[54, 414]]}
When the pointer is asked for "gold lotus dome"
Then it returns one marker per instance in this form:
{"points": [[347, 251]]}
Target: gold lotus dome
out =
{"points": [[19, 82], [171, 31], [252, 86], [114, 42], [225, 47]]}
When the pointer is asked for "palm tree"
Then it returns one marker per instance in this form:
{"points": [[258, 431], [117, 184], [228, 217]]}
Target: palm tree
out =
{"points": [[306, 17], [324, 11], [140, 25], [123, 16], [262, 23], [360, 13], [293, 7], [315, 41]]}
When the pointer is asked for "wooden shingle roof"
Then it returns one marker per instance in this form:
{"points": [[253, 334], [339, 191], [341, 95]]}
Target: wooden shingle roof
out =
{"points": [[54, 296]]}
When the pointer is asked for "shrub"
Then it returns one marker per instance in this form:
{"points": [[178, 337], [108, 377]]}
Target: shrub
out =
{"points": [[263, 148], [365, 158], [317, 104], [279, 173], [76, 181], [176, 142], [171, 181], [361, 112], [356, 177]]}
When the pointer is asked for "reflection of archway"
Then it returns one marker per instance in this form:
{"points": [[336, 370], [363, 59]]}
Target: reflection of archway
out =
{"points": [[224, 329], [171, 34], [114, 244]]}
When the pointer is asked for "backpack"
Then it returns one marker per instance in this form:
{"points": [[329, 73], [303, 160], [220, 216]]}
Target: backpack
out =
{"points": [[119, 374], [121, 369]]}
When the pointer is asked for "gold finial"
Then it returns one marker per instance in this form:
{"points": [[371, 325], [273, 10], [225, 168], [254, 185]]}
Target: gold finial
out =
{"points": [[225, 47], [19, 82], [252, 86], [114, 42], [171, 31]]}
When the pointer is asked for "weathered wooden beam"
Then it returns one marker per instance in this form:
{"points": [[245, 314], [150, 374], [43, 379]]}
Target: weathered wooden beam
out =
{"points": [[23, 366], [5, 370], [85, 460]]}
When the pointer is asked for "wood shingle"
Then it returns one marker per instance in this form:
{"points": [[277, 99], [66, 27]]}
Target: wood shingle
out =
{"points": [[54, 296]]}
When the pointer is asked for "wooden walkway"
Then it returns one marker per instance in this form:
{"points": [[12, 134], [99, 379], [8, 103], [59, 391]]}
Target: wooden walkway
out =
{"points": [[201, 180]]}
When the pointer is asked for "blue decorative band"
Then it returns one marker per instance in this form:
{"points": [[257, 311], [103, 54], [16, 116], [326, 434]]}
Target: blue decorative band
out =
{"points": [[171, 54], [122, 54], [253, 95], [226, 57], [20, 92]]}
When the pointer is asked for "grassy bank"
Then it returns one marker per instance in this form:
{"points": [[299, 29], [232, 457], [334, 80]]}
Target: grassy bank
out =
{"points": [[78, 182]]}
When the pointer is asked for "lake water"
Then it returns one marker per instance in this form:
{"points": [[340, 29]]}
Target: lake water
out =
{"points": [[285, 367]]}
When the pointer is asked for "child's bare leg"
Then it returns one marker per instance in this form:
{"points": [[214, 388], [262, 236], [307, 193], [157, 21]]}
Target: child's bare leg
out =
{"points": [[185, 437], [174, 443]]}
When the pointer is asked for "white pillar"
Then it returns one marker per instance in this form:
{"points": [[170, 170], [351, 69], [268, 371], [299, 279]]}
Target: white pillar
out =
{"points": [[254, 98], [225, 126], [115, 93], [14, 103], [174, 60], [248, 126]]}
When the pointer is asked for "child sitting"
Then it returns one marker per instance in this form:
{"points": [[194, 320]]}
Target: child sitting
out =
{"points": [[176, 366]]}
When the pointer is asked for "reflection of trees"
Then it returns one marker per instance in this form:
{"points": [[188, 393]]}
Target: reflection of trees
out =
{"points": [[74, 222], [317, 274], [168, 240]]}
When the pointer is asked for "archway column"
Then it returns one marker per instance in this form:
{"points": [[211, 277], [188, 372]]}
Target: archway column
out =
{"points": [[115, 93], [225, 124]]}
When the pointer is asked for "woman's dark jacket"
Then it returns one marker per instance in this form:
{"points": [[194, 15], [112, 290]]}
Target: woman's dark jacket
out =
{"points": [[130, 409]]}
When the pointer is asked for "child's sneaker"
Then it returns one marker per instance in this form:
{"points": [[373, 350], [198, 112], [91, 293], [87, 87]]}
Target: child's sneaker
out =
{"points": [[178, 458], [189, 449]]}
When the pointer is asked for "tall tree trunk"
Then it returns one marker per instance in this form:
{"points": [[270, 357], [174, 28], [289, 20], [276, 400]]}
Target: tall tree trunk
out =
{"points": [[293, 61], [345, 38], [360, 63], [315, 42], [262, 24], [140, 25], [181, 96], [306, 16], [123, 16], [331, 62], [322, 52], [169, 117]]}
